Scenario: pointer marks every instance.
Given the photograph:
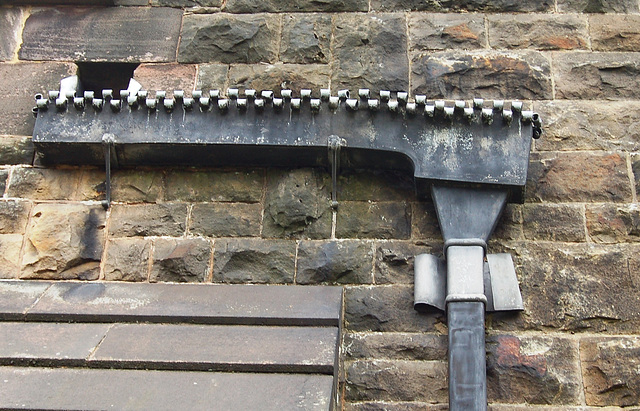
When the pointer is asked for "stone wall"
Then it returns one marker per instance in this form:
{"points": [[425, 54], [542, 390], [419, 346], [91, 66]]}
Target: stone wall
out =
{"points": [[576, 240]]}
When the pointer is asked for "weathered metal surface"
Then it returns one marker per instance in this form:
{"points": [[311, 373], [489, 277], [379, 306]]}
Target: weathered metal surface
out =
{"points": [[461, 142]]}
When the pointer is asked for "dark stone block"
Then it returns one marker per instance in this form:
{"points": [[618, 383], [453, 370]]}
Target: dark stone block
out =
{"points": [[305, 38], [57, 388], [44, 183], [180, 260], [598, 6], [375, 185], [16, 150], [394, 261], [4, 175], [244, 186], [18, 84], [370, 51], [254, 261], [541, 32], [482, 74], [187, 3], [499, 6], [136, 186], [396, 346], [446, 32], [226, 220], [278, 6], [554, 222], [118, 34], [211, 76], [280, 76], [387, 220], [127, 259], [148, 220], [609, 223], [10, 26], [14, 216], [227, 38], [615, 32], [533, 370], [334, 262], [219, 347]]}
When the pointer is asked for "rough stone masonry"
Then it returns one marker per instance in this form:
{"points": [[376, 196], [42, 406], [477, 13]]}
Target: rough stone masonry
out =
{"points": [[576, 240]]}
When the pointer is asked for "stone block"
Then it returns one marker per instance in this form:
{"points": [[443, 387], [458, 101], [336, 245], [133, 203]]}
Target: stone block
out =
{"points": [[396, 346], [554, 222], [370, 51], [16, 150], [486, 74], [64, 241], [614, 32], [212, 77], [254, 261], [396, 381], [187, 3], [14, 216], [137, 186], [384, 308], [394, 260], [610, 371], [167, 77], [424, 221], [394, 405], [578, 177], [598, 6], [609, 223], [280, 76], [4, 176], [587, 125], [533, 370], [10, 28], [18, 84], [226, 220], [305, 38], [570, 287], [228, 38], [44, 183], [214, 185], [499, 6], [180, 260], [635, 168], [582, 76], [334, 262], [10, 246], [297, 204], [384, 220], [127, 259], [509, 225], [538, 31], [375, 185], [446, 32], [279, 6], [114, 34], [148, 220], [92, 185]]}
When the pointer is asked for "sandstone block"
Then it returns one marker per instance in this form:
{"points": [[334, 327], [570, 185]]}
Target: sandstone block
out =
{"points": [[396, 346], [597, 75], [4, 176], [278, 6], [227, 38], [599, 6], [370, 51], [18, 84], [525, 75], [127, 259], [615, 32], [10, 246], [14, 216], [334, 262], [16, 150], [44, 183], [148, 220], [509, 225], [554, 222], [609, 223], [385, 220], [115, 34], [538, 31], [424, 221], [254, 261], [500, 6], [305, 38], [243, 186], [635, 167], [297, 204], [588, 125], [383, 308], [533, 370], [136, 186], [212, 77], [375, 185], [180, 260], [395, 259], [187, 3], [396, 381], [578, 177], [64, 241], [610, 371], [280, 76], [10, 26], [167, 77], [226, 220], [446, 32]]}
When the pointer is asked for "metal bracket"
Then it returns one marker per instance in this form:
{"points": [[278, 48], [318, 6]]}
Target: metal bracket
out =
{"points": [[335, 143], [108, 143]]}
